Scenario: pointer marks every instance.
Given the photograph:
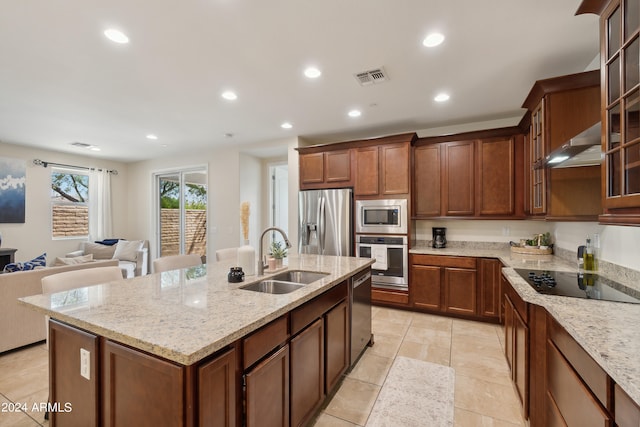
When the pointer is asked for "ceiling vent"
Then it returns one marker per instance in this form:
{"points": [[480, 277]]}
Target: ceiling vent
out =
{"points": [[80, 144], [370, 77]]}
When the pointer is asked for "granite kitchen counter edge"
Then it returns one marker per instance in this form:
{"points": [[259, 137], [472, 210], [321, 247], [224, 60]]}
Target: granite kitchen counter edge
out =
{"points": [[187, 319], [605, 330]]}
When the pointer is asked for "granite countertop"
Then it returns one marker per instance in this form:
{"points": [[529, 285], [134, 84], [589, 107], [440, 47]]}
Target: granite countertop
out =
{"points": [[186, 315], [605, 330]]}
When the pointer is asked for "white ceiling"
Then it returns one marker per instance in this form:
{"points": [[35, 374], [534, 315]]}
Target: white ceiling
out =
{"points": [[62, 81]]}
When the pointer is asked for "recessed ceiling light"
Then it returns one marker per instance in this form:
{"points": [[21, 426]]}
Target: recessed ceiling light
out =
{"points": [[355, 113], [116, 36], [441, 97], [93, 148], [229, 95], [312, 72], [433, 39], [152, 136], [286, 125]]}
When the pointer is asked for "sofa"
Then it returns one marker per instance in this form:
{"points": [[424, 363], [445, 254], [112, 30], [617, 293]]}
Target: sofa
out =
{"points": [[132, 255], [20, 325]]}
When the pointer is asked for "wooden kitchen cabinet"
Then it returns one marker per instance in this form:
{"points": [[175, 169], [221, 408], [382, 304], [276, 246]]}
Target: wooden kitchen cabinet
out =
{"points": [[67, 385], [307, 372], [382, 170], [561, 108], [337, 339], [325, 169], [444, 283], [427, 178], [138, 386], [267, 391], [496, 183], [219, 391], [490, 286], [620, 99], [458, 196]]}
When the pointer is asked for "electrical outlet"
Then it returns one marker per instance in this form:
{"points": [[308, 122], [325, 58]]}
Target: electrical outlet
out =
{"points": [[85, 363]]}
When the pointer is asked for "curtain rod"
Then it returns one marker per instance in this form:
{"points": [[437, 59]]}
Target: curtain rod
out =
{"points": [[44, 164]]}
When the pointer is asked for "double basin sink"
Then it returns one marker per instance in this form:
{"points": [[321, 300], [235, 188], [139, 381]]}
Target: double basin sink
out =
{"points": [[285, 282]]}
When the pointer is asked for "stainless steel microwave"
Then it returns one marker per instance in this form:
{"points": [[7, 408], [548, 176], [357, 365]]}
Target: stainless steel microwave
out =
{"points": [[388, 216]]}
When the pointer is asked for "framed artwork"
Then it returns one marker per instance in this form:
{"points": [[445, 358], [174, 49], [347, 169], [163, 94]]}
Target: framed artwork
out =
{"points": [[12, 190]]}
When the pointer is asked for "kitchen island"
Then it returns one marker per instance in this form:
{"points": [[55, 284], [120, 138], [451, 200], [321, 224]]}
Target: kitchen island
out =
{"points": [[606, 331], [186, 337]]}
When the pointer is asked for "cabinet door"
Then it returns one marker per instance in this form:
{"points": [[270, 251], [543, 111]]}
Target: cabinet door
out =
{"points": [[521, 361], [337, 166], [426, 180], [267, 392], [460, 290], [307, 372], [509, 312], [458, 182], [395, 169], [217, 386], [425, 286], [537, 177], [496, 177], [367, 177], [489, 284], [336, 344], [66, 382], [137, 386], [311, 168]]}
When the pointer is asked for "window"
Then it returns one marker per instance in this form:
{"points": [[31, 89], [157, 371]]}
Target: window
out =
{"points": [[69, 204]]}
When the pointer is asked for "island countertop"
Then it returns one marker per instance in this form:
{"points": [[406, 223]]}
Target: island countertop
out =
{"points": [[607, 331], [185, 315]]}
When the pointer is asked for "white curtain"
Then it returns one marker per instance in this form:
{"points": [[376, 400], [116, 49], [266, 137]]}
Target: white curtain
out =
{"points": [[100, 222]]}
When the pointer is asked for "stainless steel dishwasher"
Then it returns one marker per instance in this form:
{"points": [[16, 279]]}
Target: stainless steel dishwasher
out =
{"points": [[360, 296]]}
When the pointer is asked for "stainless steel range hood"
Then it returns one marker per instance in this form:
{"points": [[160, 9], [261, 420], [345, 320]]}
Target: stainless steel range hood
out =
{"points": [[583, 149]]}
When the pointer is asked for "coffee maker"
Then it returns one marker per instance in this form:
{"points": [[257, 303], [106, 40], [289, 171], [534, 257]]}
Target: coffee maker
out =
{"points": [[439, 237]]}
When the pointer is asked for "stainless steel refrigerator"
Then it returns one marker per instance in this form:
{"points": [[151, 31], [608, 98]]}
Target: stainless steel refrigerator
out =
{"points": [[325, 223]]}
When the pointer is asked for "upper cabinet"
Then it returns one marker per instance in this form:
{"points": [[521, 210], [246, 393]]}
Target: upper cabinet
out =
{"points": [[325, 169], [559, 109], [383, 169], [620, 98], [477, 175]]}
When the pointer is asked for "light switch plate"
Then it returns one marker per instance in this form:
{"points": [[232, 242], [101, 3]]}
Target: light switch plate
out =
{"points": [[85, 363]]}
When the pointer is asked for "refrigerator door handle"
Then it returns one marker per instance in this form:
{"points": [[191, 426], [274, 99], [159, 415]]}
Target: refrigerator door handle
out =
{"points": [[322, 225]]}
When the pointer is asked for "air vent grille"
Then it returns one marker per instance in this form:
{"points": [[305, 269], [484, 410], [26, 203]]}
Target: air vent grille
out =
{"points": [[370, 77], [80, 144]]}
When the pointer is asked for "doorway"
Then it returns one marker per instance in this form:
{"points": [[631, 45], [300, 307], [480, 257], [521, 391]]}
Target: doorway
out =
{"points": [[279, 199], [181, 198]]}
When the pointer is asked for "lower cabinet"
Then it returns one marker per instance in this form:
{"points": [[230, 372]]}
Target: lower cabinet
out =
{"points": [[218, 390], [444, 283], [267, 391], [337, 340], [307, 372], [490, 290], [516, 338]]}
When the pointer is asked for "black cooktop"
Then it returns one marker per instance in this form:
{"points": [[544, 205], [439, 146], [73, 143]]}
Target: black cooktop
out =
{"points": [[577, 285]]}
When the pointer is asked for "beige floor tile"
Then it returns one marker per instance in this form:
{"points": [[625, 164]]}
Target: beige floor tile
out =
{"points": [[479, 346], [395, 328], [428, 336], [23, 384], [11, 418], [486, 398], [476, 329], [426, 352], [392, 314], [326, 420], [464, 418], [385, 345], [371, 369], [431, 321], [483, 368], [353, 401]]}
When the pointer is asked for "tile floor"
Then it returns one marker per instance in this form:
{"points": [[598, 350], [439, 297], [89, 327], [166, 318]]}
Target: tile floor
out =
{"points": [[484, 396]]}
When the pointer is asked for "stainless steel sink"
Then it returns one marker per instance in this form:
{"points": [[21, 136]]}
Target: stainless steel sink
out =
{"points": [[272, 287], [299, 276]]}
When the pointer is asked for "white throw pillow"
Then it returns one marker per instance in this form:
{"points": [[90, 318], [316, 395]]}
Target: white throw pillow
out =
{"points": [[73, 260], [99, 250], [127, 250]]}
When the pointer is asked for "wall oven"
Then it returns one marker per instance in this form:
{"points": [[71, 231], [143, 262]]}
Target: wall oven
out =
{"points": [[385, 216], [391, 269]]}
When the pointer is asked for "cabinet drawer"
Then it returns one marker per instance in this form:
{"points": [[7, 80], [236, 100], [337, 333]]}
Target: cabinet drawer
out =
{"points": [[261, 342], [518, 303], [396, 297], [590, 372], [574, 401], [312, 310], [444, 261]]}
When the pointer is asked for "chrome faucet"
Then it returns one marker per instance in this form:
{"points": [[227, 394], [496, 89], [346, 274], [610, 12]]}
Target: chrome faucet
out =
{"points": [[261, 264]]}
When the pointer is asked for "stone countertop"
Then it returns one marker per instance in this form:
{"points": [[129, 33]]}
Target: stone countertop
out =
{"points": [[605, 330], [186, 315]]}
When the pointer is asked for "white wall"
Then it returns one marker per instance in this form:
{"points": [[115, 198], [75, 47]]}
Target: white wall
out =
{"points": [[251, 190], [34, 236]]}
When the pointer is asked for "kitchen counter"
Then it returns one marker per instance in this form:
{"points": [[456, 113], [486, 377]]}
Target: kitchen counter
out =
{"points": [[186, 315], [607, 331]]}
